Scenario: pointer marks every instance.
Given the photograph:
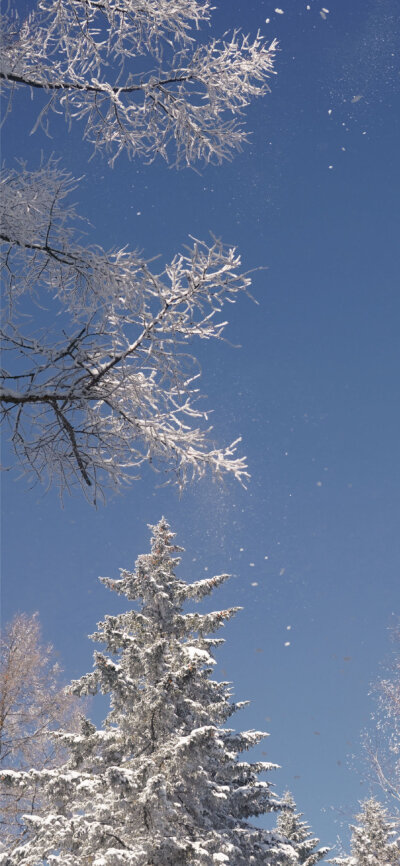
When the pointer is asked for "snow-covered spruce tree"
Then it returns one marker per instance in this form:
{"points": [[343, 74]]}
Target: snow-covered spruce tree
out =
{"points": [[290, 825], [374, 841], [163, 784]]}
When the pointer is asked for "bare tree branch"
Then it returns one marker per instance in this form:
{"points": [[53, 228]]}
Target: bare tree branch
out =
{"points": [[382, 746]]}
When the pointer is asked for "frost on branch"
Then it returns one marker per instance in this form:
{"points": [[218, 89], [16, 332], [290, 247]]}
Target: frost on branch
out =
{"points": [[106, 383], [136, 74], [164, 782]]}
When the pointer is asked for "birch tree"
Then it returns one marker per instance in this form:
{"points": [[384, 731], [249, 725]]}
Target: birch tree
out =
{"points": [[382, 745], [103, 383], [32, 702], [164, 782]]}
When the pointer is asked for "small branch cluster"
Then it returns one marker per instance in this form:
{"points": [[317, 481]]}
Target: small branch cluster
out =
{"points": [[114, 386]]}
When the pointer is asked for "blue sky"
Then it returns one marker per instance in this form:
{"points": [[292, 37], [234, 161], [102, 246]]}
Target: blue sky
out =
{"points": [[313, 543]]}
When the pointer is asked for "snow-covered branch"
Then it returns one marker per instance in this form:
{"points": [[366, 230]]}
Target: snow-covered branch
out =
{"points": [[111, 385], [181, 100]]}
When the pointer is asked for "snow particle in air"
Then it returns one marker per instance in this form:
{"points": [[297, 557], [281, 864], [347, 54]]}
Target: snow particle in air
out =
{"points": [[279, 11], [287, 643], [254, 583]]}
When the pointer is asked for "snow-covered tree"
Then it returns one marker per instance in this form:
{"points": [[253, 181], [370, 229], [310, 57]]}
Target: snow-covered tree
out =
{"points": [[164, 782], [33, 701], [374, 841], [138, 74], [290, 825], [100, 384]]}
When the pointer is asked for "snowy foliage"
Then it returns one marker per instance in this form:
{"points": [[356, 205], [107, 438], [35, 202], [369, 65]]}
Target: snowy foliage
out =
{"points": [[100, 384], [180, 96], [290, 825], [164, 782], [374, 841]]}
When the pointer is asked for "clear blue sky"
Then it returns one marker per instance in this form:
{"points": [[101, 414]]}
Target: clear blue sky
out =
{"points": [[314, 542]]}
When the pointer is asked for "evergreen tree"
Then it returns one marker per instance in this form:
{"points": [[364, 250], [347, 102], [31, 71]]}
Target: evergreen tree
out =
{"points": [[162, 783], [374, 841], [298, 832]]}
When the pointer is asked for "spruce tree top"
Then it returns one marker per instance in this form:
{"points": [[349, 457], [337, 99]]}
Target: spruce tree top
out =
{"points": [[290, 825], [374, 840]]}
